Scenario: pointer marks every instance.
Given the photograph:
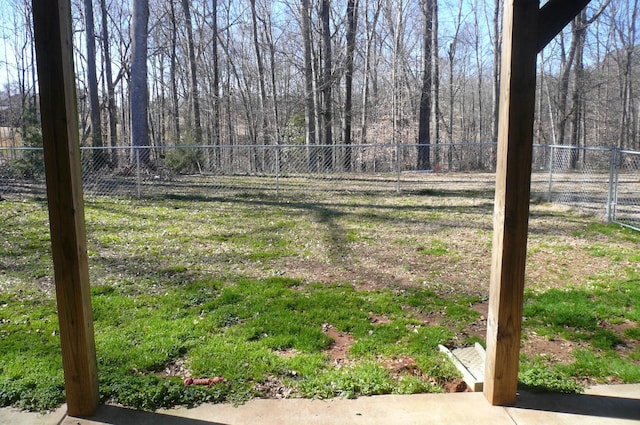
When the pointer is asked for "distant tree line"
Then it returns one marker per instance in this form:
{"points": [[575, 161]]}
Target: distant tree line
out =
{"points": [[323, 73]]}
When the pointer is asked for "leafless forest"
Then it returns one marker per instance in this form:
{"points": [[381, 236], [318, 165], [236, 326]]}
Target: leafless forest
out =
{"points": [[319, 73]]}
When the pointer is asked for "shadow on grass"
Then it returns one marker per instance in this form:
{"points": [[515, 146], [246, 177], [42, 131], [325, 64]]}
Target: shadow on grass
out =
{"points": [[319, 205]]}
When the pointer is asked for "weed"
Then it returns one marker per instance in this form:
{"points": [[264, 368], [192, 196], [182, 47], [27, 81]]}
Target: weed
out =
{"points": [[362, 379], [537, 376]]}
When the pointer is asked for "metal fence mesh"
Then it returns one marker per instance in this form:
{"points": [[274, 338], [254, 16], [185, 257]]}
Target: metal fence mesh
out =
{"points": [[598, 181], [579, 177], [625, 205]]}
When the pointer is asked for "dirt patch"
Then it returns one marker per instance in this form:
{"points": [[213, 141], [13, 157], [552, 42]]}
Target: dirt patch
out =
{"points": [[176, 368], [430, 318], [477, 329], [273, 387], [287, 354], [379, 319], [628, 345], [46, 285], [554, 350], [342, 342], [400, 366]]}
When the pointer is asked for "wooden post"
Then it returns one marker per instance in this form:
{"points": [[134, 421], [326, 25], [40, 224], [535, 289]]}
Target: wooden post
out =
{"points": [[511, 215], [54, 53]]}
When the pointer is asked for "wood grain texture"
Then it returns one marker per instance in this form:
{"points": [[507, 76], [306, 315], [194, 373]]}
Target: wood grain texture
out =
{"points": [[511, 215], [52, 27]]}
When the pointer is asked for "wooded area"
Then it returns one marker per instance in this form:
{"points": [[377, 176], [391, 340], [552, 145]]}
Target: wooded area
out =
{"points": [[320, 72]]}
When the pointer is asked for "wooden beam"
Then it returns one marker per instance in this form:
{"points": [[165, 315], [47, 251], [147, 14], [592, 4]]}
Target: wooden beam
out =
{"points": [[58, 105], [554, 16], [511, 215]]}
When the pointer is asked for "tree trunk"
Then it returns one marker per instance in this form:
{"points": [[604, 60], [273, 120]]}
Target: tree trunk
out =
{"points": [[352, 22], [261, 77], [111, 94], [563, 90], [310, 110], [577, 97], [326, 84], [215, 136], [626, 93], [495, 98], [370, 35], [99, 159], [479, 115], [452, 57], [435, 82], [175, 107], [424, 136], [268, 30], [193, 68], [139, 91]]}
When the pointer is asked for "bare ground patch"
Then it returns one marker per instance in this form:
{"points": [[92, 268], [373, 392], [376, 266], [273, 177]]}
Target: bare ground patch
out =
{"points": [[338, 352]]}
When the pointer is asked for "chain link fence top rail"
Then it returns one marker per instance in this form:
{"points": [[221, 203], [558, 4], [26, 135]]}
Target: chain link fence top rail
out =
{"points": [[602, 182]]}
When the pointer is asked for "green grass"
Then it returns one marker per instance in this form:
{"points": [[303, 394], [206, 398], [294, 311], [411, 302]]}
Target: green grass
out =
{"points": [[242, 288]]}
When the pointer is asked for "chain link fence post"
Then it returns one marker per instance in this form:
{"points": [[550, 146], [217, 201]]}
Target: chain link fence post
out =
{"points": [[278, 170], [398, 159], [138, 173], [612, 172], [551, 161]]}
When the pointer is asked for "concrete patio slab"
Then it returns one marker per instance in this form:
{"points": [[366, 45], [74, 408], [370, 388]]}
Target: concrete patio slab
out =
{"points": [[602, 405], [12, 416]]}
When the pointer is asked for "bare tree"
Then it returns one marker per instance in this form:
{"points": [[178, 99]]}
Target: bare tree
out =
{"points": [[451, 55], [435, 80], [370, 33], [352, 22], [138, 86], [111, 94], [173, 64], [261, 75], [424, 136], [216, 78], [327, 83], [574, 57], [497, 52], [92, 82], [310, 110], [626, 32], [193, 67]]}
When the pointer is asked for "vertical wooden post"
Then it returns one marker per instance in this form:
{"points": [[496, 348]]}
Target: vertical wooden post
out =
{"points": [[511, 215], [54, 53]]}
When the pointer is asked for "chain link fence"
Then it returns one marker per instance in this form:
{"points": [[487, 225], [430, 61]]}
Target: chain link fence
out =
{"points": [[624, 196], [580, 178], [602, 182]]}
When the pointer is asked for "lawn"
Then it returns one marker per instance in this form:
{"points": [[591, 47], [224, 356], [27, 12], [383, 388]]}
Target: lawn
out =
{"points": [[311, 295]]}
